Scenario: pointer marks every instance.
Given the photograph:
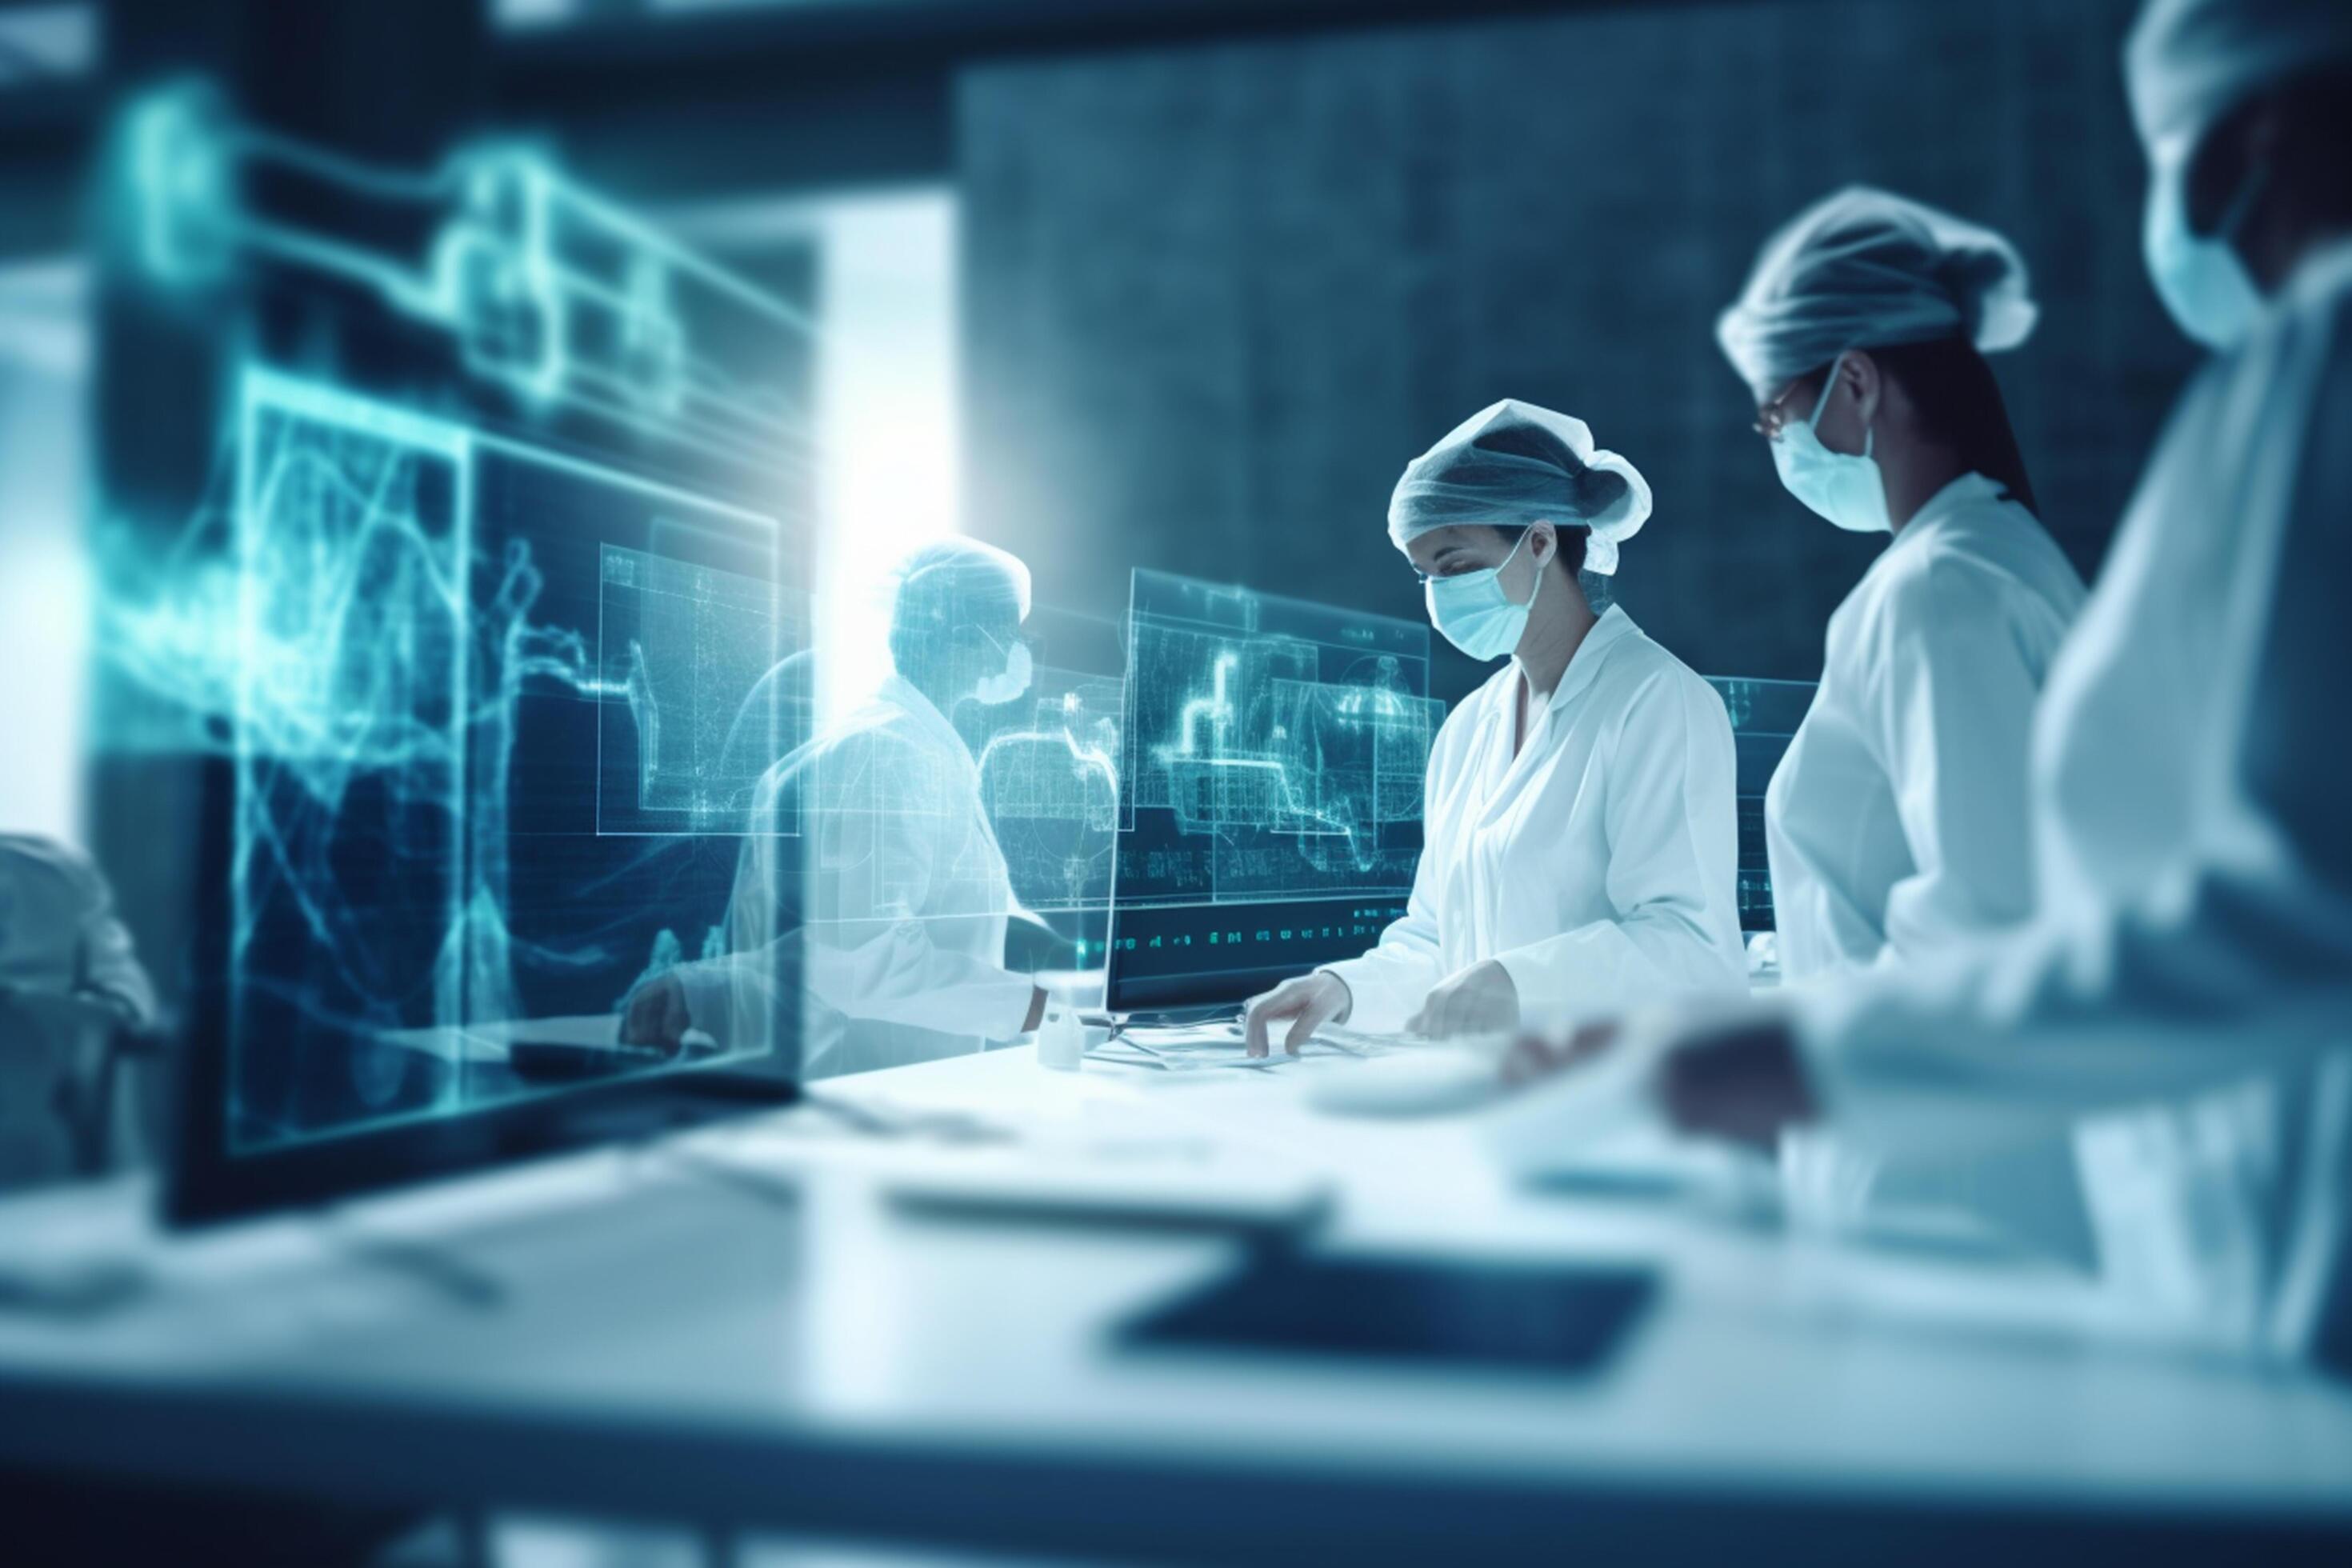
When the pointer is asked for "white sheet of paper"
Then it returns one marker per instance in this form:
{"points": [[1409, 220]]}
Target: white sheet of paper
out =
{"points": [[1197, 1047]]}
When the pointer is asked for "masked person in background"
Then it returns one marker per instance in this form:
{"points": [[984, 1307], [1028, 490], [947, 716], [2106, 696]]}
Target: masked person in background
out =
{"points": [[2188, 968], [1897, 819], [1578, 841], [1897, 823], [898, 931]]}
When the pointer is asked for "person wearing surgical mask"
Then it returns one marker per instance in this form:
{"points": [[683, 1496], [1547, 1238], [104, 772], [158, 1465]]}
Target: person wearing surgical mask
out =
{"points": [[895, 932], [2187, 976], [1896, 822], [1578, 841], [1897, 818]]}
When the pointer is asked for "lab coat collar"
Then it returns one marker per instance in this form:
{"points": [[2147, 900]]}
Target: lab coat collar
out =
{"points": [[1613, 626], [898, 691], [1971, 488]]}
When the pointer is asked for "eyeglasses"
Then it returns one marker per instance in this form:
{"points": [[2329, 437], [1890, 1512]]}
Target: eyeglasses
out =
{"points": [[1778, 415], [1457, 568]]}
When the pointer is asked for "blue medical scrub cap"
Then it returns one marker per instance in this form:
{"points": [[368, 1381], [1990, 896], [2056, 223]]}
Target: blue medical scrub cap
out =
{"points": [[2187, 63], [1865, 268], [1515, 464]]}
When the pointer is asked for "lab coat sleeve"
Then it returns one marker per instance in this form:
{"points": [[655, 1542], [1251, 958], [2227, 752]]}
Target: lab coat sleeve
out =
{"points": [[1671, 875], [2238, 959], [1388, 985], [1952, 707]]}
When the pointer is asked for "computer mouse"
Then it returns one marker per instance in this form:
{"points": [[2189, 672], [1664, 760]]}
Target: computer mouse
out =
{"points": [[1422, 1083]]}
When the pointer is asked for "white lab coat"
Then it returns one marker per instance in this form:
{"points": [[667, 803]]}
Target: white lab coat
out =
{"points": [[1898, 821], [2191, 950], [898, 937], [1597, 867]]}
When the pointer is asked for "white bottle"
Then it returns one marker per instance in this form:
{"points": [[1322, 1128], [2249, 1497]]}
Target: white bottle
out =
{"points": [[1062, 1040]]}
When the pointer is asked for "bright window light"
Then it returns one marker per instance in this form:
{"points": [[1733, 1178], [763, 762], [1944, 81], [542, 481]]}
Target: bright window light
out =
{"points": [[887, 430], [44, 585]]}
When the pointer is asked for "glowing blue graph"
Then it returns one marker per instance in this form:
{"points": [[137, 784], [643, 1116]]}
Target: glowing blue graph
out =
{"points": [[689, 650], [1276, 748], [550, 291], [1049, 782]]}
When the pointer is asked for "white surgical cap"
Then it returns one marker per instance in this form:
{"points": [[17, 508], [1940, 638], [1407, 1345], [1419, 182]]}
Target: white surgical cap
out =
{"points": [[1515, 464], [2189, 62], [1866, 269]]}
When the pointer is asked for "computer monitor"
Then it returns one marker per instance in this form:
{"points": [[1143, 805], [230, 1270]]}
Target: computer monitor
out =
{"points": [[1764, 717], [1273, 753], [476, 646], [501, 717]]}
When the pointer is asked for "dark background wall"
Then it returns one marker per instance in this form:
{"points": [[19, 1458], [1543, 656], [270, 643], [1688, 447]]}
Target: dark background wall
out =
{"points": [[1217, 296]]}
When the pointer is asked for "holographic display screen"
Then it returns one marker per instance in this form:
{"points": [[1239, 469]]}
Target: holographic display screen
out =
{"points": [[498, 715], [1274, 755]]}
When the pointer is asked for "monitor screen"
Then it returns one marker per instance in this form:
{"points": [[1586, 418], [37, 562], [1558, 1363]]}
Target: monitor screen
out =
{"points": [[502, 719], [1273, 755], [1764, 717]]}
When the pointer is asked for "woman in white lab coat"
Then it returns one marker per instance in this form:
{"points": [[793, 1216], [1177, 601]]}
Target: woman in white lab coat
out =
{"points": [[2189, 962], [1578, 838], [1896, 822]]}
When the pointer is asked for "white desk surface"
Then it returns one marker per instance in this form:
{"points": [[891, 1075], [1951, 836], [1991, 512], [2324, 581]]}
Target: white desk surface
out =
{"points": [[673, 1343]]}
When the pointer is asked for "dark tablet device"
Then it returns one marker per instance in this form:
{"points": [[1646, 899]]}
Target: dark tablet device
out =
{"points": [[1552, 1317]]}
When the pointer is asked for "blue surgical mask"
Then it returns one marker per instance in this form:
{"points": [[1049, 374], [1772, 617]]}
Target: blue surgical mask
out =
{"points": [[1844, 487], [2203, 285], [1008, 684], [1474, 613]]}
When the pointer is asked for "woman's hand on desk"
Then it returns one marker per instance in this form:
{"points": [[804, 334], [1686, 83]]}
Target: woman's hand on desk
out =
{"points": [[1306, 1004], [1739, 1079], [1479, 1000]]}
